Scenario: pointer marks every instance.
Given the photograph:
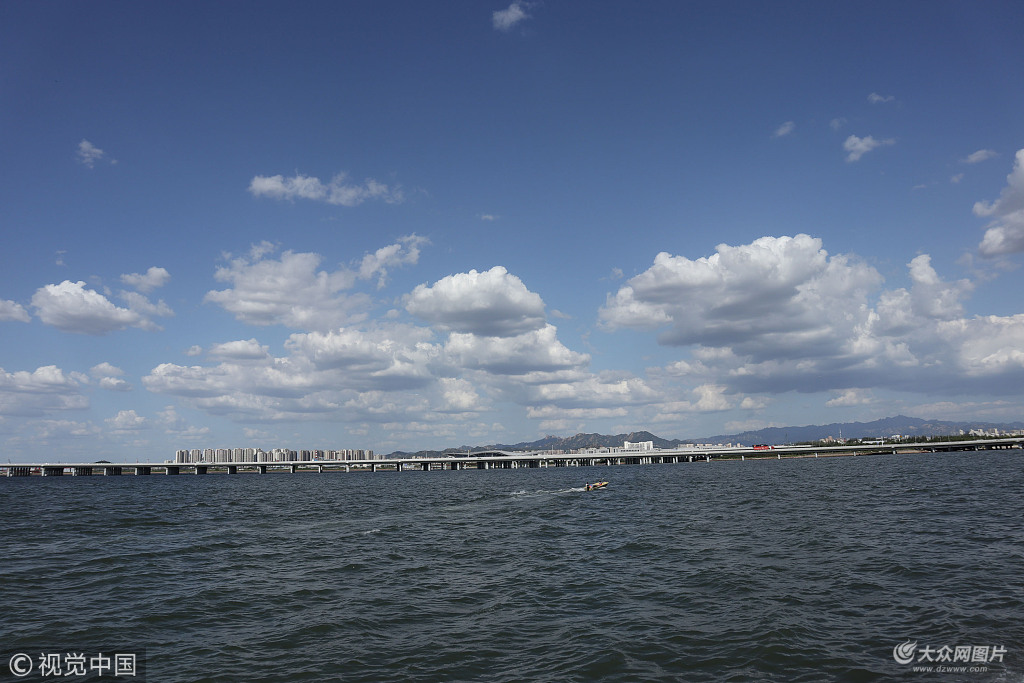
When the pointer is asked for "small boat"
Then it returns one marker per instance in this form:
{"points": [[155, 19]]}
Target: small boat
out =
{"points": [[596, 485]]}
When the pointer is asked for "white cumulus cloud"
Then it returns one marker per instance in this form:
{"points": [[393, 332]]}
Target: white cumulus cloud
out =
{"points": [[492, 303], [88, 153], [1005, 234], [287, 291], [850, 397], [506, 19], [293, 291], [785, 129], [771, 295], [404, 252], [241, 350], [346, 375], [593, 392], [460, 396], [979, 156], [127, 421], [338, 191], [42, 391], [176, 425], [534, 351], [110, 377], [12, 310], [71, 307], [781, 314], [856, 147], [148, 281]]}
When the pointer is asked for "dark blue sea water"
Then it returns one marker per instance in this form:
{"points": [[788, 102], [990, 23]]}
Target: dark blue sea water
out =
{"points": [[792, 570]]}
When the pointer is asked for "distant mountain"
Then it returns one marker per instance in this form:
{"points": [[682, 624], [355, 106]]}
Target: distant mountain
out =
{"points": [[889, 426], [591, 441], [556, 443]]}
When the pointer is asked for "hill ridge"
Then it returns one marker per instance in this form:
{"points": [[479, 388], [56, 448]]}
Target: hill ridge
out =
{"points": [[882, 427]]}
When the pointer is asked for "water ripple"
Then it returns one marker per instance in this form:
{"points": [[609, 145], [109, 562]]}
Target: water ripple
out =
{"points": [[779, 570]]}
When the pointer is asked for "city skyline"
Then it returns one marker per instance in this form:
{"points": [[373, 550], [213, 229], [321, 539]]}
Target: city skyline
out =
{"points": [[231, 455], [410, 226]]}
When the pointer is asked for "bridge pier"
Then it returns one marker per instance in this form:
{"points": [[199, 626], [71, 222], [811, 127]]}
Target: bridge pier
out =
{"points": [[111, 471], [200, 469], [50, 471], [81, 471], [143, 470], [22, 471], [172, 470]]}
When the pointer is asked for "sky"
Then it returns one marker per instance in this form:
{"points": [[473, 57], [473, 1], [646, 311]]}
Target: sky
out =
{"points": [[401, 225]]}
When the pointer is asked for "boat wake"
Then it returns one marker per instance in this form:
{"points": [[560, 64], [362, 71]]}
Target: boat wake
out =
{"points": [[545, 492]]}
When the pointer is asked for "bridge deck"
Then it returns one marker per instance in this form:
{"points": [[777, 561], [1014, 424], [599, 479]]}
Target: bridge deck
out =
{"points": [[497, 459]]}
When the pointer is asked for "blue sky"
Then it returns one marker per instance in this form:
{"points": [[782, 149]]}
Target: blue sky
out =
{"points": [[406, 225]]}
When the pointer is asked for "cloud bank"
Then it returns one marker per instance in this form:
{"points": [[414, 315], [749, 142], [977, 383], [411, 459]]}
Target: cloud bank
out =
{"points": [[781, 314]]}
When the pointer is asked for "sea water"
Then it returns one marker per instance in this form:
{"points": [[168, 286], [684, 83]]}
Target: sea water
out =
{"points": [[790, 570]]}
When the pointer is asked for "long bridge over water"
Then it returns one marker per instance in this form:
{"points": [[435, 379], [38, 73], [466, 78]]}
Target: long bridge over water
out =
{"points": [[496, 459]]}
